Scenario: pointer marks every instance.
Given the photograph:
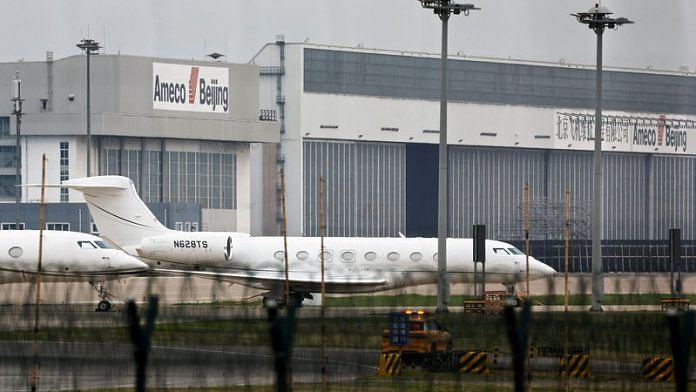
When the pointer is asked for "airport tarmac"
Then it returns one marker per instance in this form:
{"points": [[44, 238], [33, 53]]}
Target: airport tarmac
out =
{"points": [[80, 366], [179, 290]]}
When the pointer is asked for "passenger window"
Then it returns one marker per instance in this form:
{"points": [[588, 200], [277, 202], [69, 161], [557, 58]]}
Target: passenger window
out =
{"points": [[416, 256], [348, 256], [500, 251], [370, 256], [86, 245], [435, 257], [327, 256], [302, 255], [279, 255], [393, 256]]}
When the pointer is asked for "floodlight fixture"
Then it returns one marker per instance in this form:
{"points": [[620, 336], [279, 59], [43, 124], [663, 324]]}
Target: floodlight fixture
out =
{"points": [[598, 17], [447, 7]]}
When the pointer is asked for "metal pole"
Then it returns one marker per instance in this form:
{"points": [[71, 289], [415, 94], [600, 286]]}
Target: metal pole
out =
{"points": [[566, 235], [37, 300], [286, 295], [526, 235], [322, 233], [89, 129], [442, 281], [17, 111], [597, 278], [18, 163]]}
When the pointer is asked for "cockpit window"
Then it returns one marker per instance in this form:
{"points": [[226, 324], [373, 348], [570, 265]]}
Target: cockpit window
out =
{"points": [[515, 251], [86, 245], [500, 251], [102, 244]]}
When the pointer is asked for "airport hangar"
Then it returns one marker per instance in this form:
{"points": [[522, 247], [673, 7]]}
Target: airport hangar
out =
{"points": [[367, 121], [189, 157]]}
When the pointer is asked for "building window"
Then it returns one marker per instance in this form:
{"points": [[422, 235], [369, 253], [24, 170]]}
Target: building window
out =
{"points": [[132, 167], [179, 226], [4, 126], [11, 226], [8, 158], [58, 226], [151, 182], [209, 179], [93, 228], [112, 165], [64, 169], [7, 186]]}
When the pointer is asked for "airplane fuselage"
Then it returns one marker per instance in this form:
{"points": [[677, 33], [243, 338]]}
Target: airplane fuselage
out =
{"points": [[351, 264], [67, 256]]}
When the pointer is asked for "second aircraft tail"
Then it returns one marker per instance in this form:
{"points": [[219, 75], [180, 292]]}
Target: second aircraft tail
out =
{"points": [[119, 213]]}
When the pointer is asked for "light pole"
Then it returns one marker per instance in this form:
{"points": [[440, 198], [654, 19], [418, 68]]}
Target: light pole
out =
{"points": [[90, 47], [17, 111], [443, 9], [597, 19]]}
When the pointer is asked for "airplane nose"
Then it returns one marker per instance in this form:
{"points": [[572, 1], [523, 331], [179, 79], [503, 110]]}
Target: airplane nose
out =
{"points": [[545, 270], [130, 263]]}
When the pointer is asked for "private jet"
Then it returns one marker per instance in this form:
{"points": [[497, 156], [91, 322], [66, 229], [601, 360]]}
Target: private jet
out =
{"points": [[67, 257], [352, 265]]}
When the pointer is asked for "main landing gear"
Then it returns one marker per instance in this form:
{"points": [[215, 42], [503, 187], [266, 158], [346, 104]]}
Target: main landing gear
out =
{"points": [[104, 305], [271, 300]]}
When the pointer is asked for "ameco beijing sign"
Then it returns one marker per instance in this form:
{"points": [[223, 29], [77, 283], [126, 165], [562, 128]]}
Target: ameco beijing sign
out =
{"points": [[190, 88]]}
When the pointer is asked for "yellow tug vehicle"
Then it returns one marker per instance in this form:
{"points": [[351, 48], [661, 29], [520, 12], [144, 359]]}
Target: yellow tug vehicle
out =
{"points": [[425, 336]]}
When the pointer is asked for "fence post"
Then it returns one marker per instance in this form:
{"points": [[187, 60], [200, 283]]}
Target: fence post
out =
{"points": [[140, 336], [282, 330], [681, 331], [517, 331]]}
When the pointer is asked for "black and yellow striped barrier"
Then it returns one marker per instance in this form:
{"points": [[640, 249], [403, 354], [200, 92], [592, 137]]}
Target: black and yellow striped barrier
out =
{"points": [[474, 362], [389, 364], [658, 369], [575, 366]]}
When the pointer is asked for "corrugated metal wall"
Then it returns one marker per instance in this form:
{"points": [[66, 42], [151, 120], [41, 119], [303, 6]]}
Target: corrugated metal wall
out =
{"points": [[674, 195], [644, 195], [403, 76], [486, 186], [365, 188]]}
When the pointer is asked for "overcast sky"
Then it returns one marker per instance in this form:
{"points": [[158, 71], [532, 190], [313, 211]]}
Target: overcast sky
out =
{"points": [[664, 35]]}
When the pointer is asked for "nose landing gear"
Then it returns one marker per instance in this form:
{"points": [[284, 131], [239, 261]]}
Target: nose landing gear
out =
{"points": [[104, 305]]}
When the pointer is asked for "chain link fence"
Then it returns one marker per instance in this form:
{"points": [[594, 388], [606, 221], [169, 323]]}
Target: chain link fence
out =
{"points": [[209, 335]]}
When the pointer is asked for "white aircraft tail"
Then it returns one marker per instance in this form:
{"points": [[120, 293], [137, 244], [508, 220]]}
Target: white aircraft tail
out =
{"points": [[119, 213]]}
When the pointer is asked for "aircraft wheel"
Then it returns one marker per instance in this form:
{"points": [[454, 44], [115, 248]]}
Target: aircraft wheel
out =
{"points": [[103, 306], [268, 302]]}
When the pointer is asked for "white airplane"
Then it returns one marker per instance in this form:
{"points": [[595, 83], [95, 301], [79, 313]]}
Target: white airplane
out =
{"points": [[67, 257], [352, 265]]}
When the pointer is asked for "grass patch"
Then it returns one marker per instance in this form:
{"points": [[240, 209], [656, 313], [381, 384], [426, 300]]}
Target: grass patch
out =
{"points": [[414, 300]]}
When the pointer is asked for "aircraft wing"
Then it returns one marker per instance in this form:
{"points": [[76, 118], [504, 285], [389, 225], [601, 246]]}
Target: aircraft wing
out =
{"points": [[299, 280]]}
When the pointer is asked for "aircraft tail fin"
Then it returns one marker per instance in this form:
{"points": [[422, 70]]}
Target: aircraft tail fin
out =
{"points": [[119, 213]]}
